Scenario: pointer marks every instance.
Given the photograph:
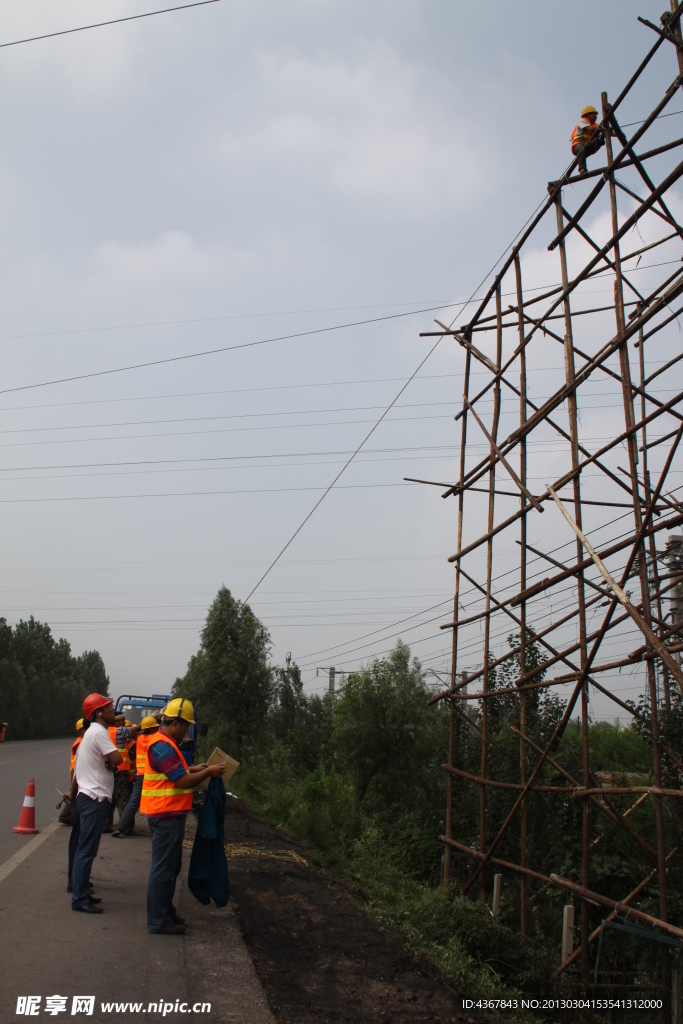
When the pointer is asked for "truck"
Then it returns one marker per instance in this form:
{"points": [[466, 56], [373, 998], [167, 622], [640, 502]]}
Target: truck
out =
{"points": [[136, 708]]}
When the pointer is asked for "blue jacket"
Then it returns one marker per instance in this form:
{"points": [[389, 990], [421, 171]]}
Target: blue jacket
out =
{"points": [[208, 875]]}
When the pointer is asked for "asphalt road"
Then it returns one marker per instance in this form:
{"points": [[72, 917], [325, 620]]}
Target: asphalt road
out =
{"points": [[49, 950], [46, 761]]}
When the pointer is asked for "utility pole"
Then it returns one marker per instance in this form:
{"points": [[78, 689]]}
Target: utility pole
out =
{"points": [[332, 674]]}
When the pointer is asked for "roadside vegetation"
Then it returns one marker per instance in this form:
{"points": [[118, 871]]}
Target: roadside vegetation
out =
{"points": [[42, 685], [363, 787]]}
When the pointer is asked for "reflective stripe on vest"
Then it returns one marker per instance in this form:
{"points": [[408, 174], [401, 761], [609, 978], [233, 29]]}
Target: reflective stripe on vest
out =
{"points": [[160, 795], [74, 748], [144, 740], [123, 751], [583, 132]]}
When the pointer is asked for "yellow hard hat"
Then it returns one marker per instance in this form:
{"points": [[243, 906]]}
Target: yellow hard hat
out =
{"points": [[180, 707], [589, 109], [79, 724], [128, 723], [149, 722]]}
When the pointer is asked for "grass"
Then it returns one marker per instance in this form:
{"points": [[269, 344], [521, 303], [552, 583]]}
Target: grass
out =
{"points": [[457, 937]]}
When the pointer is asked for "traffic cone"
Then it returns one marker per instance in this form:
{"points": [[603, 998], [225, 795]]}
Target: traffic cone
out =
{"points": [[27, 818]]}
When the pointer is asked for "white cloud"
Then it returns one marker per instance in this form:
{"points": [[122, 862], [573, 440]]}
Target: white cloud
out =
{"points": [[372, 127], [97, 61]]}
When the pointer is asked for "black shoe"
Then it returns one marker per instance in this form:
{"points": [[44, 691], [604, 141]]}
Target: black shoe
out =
{"points": [[88, 908], [94, 899], [172, 929], [178, 919]]}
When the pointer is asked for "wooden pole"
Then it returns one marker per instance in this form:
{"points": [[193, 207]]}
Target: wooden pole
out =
{"points": [[585, 894], [629, 418], [489, 568], [574, 434], [456, 613], [522, 587], [624, 903], [652, 544]]}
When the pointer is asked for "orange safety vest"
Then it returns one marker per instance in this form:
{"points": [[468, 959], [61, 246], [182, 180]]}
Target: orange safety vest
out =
{"points": [[123, 751], [144, 740], [583, 132], [74, 748], [159, 793]]}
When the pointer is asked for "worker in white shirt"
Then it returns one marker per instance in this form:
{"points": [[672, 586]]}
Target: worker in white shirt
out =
{"points": [[93, 780]]}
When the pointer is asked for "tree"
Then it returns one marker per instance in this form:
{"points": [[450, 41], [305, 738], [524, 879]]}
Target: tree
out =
{"points": [[42, 685], [93, 673], [302, 723], [229, 678], [384, 732]]}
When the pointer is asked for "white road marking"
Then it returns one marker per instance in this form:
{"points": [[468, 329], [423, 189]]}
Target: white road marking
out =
{"points": [[33, 844], [6, 762]]}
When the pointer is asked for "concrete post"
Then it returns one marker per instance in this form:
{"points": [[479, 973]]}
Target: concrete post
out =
{"points": [[567, 931], [497, 888]]}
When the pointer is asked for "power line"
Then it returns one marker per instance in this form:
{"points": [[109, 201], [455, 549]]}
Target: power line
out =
{"points": [[511, 402], [233, 458], [218, 430], [192, 494], [102, 24], [213, 319], [282, 337], [221, 416], [222, 349]]}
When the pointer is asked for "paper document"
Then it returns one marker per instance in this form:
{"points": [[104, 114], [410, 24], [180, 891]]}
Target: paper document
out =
{"points": [[218, 757]]}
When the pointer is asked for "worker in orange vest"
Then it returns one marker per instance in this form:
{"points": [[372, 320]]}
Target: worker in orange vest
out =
{"points": [[587, 137], [75, 745], [120, 734], [166, 800], [149, 727]]}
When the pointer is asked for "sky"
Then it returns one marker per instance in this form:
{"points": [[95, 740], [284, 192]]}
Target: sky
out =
{"points": [[304, 187]]}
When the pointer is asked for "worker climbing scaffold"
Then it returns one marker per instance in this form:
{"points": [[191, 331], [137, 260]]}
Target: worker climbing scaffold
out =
{"points": [[587, 137]]}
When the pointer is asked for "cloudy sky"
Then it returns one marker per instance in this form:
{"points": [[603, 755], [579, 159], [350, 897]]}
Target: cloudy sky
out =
{"points": [[320, 178]]}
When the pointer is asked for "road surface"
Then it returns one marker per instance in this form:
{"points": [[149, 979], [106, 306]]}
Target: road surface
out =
{"points": [[47, 950], [46, 761]]}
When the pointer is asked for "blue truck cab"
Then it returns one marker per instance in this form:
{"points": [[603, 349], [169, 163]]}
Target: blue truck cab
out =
{"points": [[136, 708]]}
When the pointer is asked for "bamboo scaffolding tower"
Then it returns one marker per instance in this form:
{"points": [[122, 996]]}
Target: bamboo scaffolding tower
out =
{"points": [[575, 525]]}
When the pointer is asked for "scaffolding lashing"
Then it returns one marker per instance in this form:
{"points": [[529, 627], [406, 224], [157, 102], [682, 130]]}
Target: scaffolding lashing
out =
{"points": [[569, 433]]}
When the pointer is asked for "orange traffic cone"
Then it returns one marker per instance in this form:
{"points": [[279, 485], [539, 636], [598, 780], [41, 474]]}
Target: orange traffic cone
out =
{"points": [[27, 818]]}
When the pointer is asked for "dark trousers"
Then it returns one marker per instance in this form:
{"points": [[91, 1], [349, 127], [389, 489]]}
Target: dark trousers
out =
{"points": [[127, 819], [92, 815], [73, 838], [120, 797], [167, 859], [589, 149]]}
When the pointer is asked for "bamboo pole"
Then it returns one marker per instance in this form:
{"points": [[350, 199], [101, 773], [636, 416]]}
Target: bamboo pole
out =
{"points": [[562, 725], [629, 418], [489, 567], [456, 613], [605, 808], [577, 890], [625, 902], [646, 480], [570, 377]]}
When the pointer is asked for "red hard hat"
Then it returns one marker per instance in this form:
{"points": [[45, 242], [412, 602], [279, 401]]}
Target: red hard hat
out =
{"points": [[93, 702]]}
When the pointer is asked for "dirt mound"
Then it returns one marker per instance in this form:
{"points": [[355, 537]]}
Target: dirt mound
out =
{"points": [[319, 958]]}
